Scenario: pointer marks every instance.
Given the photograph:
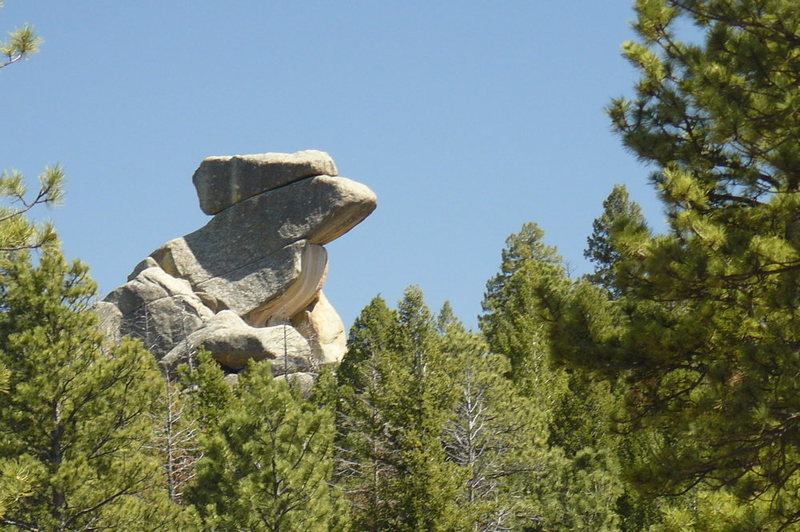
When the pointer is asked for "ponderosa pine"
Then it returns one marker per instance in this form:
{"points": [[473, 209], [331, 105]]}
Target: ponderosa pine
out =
{"points": [[707, 330], [267, 459], [77, 417]]}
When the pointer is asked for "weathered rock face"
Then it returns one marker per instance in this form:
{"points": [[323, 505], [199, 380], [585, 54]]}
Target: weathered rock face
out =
{"points": [[156, 307], [247, 285], [232, 343], [224, 181], [324, 329]]}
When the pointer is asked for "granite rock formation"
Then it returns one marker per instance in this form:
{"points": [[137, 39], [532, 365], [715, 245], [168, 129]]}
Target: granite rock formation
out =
{"points": [[248, 284]]}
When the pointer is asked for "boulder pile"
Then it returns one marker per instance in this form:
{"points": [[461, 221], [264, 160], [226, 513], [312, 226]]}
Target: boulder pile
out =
{"points": [[248, 284]]}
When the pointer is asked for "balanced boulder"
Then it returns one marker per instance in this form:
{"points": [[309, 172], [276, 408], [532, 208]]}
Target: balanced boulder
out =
{"points": [[248, 284], [224, 181]]}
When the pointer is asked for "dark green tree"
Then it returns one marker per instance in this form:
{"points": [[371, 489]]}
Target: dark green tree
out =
{"points": [[422, 390], [521, 247], [366, 457], [372, 334], [495, 436], [707, 330], [267, 460], [77, 418], [620, 216], [582, 493], [395, 397]]}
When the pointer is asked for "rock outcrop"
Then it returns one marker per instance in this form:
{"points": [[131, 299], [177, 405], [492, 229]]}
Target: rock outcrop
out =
{"points": [[248, 284]]}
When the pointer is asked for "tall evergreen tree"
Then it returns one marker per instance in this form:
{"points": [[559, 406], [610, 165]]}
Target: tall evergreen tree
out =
{"points": [[423, 392], [706, 333], [496, 436], [365, 454], [267, 461], [522, 247], [373, 333], [394, 401], [620, 216], [583, 493], [77, 418]]}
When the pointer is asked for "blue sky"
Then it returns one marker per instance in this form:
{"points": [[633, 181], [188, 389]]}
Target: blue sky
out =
{"points": [[467, 119]]}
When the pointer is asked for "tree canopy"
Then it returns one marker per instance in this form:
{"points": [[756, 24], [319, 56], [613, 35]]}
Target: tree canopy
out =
{"points": [[705, 330]]}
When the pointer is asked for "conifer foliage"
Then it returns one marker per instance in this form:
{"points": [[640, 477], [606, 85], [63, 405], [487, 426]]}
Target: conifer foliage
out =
{"points": [[16, 230], [620, 217], [267, 459], [583, 488], [76, 420], [432, 435], [706, 331]]}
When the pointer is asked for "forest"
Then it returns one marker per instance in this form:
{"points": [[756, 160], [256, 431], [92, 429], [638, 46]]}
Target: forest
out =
{"points": [[658, 393]]}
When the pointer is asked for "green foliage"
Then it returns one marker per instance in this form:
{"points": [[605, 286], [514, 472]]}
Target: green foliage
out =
{"points": [[392, 406], [586, 490], [497, 438], [372, 334], [706, 329], [21, 43], [76, 422], [366, 456], [422, 391], [434, 436], [621, 217], [16, 230], [521, 248], [267, 461], [210, 394]]}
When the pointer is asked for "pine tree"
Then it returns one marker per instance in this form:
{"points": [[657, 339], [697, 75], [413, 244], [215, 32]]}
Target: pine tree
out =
{"points": [[76, 420], [204, 383], [707, 329], [495, 436], [365, 455], [16, 230], [372, 334], [267, 461], [522, 247], [395, 397], [583, 492], [422, 391], [620, 217]]}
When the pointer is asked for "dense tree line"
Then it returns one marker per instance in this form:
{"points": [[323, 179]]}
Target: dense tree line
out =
{"points": [[657, 393]]}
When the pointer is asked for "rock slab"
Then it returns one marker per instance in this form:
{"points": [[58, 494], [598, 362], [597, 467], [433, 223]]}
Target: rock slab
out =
{"points": [[232, 343], [224, 181]]}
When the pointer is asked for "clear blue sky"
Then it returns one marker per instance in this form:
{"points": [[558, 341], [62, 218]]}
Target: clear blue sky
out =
{"points": [[467, 118]]}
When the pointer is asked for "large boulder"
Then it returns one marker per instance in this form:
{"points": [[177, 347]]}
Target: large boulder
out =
{"points": [[270, 284], [224, 181], [153, 306], [260, 242], [248, 284], [232, 343]]}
